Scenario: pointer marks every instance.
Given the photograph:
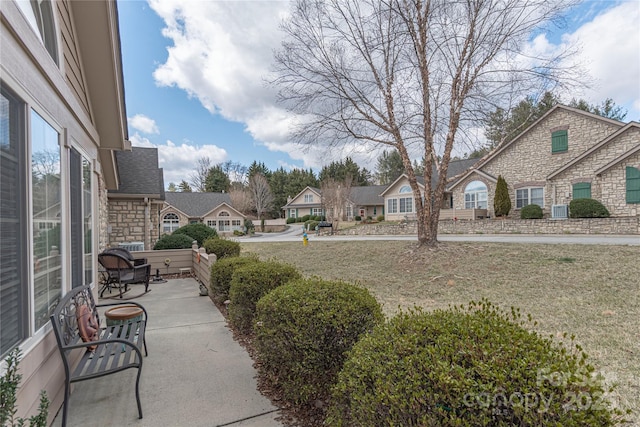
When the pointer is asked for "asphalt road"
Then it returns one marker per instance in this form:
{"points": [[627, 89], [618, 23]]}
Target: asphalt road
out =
{"points": [[294, 234]]}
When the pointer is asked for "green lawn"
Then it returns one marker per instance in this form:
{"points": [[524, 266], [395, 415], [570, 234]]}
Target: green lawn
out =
{"points": [[590, 291]]}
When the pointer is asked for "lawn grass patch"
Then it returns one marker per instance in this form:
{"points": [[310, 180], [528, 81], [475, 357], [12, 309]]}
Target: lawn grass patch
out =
{"points": [[590, 291]]}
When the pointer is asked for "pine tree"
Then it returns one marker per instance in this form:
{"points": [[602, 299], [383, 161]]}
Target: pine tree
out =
{"points": [[501, 200]]}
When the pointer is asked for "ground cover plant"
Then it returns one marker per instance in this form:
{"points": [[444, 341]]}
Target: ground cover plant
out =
{"points": [[590, 291]]}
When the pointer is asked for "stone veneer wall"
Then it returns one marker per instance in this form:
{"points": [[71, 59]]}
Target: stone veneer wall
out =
{"points": [[127, 220], [103, 215], [622, 225]]}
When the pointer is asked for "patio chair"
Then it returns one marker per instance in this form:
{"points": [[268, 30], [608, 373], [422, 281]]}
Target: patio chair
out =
{"points": [[120, 271], [125, 252]]}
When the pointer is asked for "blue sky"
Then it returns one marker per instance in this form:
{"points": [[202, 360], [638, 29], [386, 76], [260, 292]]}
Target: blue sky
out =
{"points": [[194, 72]]}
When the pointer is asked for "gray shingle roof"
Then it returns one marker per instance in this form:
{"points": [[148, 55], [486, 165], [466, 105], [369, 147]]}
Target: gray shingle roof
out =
{"points": [[368, 195], [196, 205], [139, 172], [456, 167]]}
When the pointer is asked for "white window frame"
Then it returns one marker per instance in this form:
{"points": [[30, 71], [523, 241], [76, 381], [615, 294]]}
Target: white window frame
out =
{"points": [[392, 206], [292, 213], [524, 197], [308, 198], [474, 196], [405, 205], [212, 223], [170, 225]]}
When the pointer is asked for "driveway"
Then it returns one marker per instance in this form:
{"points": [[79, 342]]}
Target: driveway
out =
{"points": [[294, 234]]}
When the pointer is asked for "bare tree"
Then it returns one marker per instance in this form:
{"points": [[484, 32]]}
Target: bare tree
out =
{"points": [[241, 199], [412, 75], [335, 196], [198, 179], [260, 194]]}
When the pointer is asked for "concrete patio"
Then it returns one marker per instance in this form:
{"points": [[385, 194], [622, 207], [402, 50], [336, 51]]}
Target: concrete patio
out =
{"points": [[195, 374]]}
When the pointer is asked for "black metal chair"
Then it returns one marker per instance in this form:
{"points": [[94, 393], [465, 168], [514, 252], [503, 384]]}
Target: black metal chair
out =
{"points": [[121, 271]]}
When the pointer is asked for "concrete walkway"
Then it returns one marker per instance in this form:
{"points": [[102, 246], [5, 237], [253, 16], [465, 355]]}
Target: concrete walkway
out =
{"points": [[195, 374]]}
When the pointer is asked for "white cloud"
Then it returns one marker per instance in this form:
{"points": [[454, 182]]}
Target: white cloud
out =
{"points": [[611, 53], [144, 124], [179, 161]]}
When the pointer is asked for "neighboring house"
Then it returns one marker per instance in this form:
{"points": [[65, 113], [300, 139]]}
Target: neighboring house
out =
{"points": [[134, 208], [565, 155], [399, 200], [363, 201], [62, 116], [212, 209]]}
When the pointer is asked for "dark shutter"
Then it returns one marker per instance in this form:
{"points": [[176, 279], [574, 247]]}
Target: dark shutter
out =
{"points": [[75, 189]]}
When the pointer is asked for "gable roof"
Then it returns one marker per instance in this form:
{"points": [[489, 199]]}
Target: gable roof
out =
{"points": [[619, 159], [139, 174], [370, 195], [196, 205], [454, 171], [595, 148], [312, 189]]}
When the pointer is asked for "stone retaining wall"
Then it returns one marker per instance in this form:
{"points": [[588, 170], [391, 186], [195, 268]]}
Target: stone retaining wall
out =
{"points": [[620, 225]]}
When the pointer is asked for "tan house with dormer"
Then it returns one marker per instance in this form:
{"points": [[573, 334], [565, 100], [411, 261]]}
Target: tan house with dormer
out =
{"points": [[212, 209]]}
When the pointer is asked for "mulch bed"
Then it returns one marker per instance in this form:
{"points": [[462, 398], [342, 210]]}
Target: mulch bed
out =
{"points": [[290, 415]]}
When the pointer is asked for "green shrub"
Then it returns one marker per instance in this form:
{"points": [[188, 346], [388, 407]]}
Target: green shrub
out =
{"points": [[173, 241], [304, 329], [251, 282], [357, 218], [238, 233], [531, 212], [222, 272], [501, 200], [310, 225], [248, 225], [291, 220], [317, 218], [198, 231], [587, 208], [299, 219], [477, 366], [222, 247], [305, 218], [380, 218]]}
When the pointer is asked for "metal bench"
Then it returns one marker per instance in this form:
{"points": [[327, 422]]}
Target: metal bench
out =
{"points": [[107, 350]]}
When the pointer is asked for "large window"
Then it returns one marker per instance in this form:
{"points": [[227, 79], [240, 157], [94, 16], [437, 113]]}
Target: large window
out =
{"points": [[80, 193], [632, 181], [170, 223], [46, 202], [581, 190], [316, 211], [40, 15], [475, 195], [529, 196], [406, 205], [392, 206], [308, 198], [13, 224]]}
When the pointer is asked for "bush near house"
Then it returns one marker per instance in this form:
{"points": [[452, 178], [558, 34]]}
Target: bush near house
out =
{"points": [[222, 248], [173, 241], [532, 211], [251, 282], [291, 220], [587, 208], [460, 367], [222, 273], [380, 218], [357, 218], [304, 329], [199, 232]]}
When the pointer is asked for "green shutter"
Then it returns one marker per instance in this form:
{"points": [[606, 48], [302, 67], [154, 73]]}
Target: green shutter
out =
{"points": [[633, 184], [582, 190], [559, 141]]}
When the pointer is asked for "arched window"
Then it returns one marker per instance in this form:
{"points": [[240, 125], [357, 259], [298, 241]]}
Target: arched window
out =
{"points": [[405, 189], [170, 223], [224, 213], [475, 195]]}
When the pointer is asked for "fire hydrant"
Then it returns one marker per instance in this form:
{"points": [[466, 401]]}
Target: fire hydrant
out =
{"points": [[305, 239]]}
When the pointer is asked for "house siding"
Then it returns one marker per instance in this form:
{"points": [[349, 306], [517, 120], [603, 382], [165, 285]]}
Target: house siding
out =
{"points": [[607, 192], [132, 220], [530, 160]]}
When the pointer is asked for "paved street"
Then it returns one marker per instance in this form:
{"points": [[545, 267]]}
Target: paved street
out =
{"points": [[294, 234]]}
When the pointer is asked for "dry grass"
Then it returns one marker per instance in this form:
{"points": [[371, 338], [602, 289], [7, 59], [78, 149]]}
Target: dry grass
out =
{"points": [[590, 291]]}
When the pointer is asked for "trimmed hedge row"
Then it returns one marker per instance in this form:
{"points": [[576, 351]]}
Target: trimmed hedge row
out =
{"points": [[222, 273], [222, 248], [465, 367], [304, 330], [251, 282]]}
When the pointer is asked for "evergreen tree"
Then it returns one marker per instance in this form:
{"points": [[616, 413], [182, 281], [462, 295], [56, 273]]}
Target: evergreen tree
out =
{"points": [[257, 168], [184, 187], [606, 108], [217, 181], [341, 170], [172, 187], [389, 167], [501, 200]]}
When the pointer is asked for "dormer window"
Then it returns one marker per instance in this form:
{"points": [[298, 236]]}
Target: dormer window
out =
{"points": [[308, 198]]}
